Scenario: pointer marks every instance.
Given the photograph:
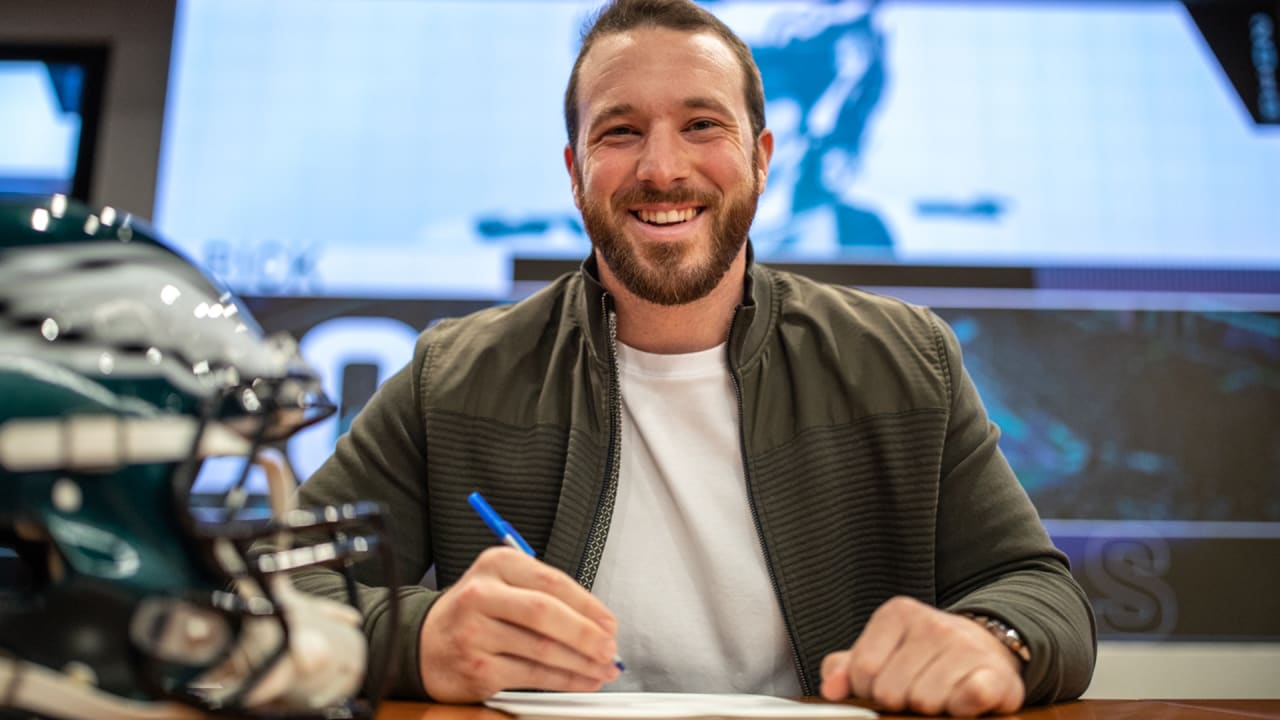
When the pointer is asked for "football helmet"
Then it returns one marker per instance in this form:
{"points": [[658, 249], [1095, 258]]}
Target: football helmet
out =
{"points": [[126, 373]]}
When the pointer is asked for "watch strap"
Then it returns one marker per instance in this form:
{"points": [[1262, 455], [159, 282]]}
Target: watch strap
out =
{"points": [[1005, 633]]}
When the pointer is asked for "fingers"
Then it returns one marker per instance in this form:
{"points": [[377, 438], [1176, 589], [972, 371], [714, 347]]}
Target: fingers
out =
{"points": [[957, 687], [908, 668], [536, 661], [532, 595], [525, 673], [511, 621], [522, 571], [913, 656], [885, 632], [982, 691], [932, 696], [478, 676], [499, 637]]}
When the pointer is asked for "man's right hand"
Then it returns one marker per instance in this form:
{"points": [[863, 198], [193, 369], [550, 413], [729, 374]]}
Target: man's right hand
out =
{"points": [[514, 622]]}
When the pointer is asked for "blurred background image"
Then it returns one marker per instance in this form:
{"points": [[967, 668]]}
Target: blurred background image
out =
{"points": [[1087, 190]]}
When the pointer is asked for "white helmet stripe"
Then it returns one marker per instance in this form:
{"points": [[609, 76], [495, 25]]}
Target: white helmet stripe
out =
{"points": [[98, 442]]}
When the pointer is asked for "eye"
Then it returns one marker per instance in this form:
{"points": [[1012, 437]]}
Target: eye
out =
{"points": [[703, 124], [619, 130]]}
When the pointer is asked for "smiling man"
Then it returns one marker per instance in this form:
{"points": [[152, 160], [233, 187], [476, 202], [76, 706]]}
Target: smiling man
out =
{"points": [[668, 167], [736, 478]]}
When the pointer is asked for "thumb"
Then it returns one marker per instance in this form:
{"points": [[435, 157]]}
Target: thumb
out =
{"points": [[835, 676], [836, 662]]}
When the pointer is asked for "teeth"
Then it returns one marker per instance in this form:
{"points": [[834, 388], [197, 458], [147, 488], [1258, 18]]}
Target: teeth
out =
{"points": [[666, 217]]}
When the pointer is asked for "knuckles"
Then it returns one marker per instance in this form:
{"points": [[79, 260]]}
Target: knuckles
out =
{"points": [[470, 595], [941, 627], [890, 692], [975, 695], [899, 607], [492, 558], [897, 611], [547, 581], [476, 665], [466, 633], [862, 670], [538, 611]]}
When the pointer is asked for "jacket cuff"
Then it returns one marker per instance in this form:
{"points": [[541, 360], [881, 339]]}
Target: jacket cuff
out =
{"points": [[406, 676]]}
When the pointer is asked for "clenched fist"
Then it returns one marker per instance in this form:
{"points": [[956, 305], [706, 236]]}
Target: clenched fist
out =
{"points": [[912, 656]]}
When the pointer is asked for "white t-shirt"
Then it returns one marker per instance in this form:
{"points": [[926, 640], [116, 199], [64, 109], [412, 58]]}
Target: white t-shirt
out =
{"points": [[683, 570]]}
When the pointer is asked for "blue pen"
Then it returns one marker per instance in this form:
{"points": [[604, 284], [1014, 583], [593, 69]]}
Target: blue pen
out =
{"points": [[500, 527], [509, 536]]}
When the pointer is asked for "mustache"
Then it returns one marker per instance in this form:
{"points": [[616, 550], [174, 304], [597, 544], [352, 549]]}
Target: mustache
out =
{"points": [[644, 195]]}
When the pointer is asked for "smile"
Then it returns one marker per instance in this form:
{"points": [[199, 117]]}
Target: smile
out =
{"points": [[667, 217]]}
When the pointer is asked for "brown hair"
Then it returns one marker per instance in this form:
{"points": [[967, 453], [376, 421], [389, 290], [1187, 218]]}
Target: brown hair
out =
{"points": [[621, 16]]}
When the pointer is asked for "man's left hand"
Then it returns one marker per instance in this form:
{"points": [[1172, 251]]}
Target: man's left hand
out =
{"points": [[915, 657]]}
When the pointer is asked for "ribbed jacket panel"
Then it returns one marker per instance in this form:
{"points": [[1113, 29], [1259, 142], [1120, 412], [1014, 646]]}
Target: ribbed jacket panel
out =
{"points": [[847, 545], [518, 470]]}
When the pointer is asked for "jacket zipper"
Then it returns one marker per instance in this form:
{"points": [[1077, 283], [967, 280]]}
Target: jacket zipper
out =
{"points": [[594, 549], [755, 516]]}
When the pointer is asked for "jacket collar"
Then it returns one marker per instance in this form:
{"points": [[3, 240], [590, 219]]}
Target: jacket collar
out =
{"points": [[596, 304], [755, 317], [748, 331]]}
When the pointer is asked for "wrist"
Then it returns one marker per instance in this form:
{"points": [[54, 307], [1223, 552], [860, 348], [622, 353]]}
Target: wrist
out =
{"points": [[1005, 633]]}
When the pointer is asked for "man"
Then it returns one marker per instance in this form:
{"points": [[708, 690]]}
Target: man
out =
{"points": [[737, 479]]}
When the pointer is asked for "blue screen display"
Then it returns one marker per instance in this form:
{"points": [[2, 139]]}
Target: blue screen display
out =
{"points": [[40, 117], [414, 149]]}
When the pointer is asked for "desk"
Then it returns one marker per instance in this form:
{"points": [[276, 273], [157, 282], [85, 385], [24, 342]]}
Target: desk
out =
{"points": [[1080, 710]]}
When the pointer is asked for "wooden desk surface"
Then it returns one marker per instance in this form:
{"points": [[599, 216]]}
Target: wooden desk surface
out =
{"points": [[1080, 710]]}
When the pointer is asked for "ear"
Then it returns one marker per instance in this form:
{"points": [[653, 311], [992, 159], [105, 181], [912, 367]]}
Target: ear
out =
{"points": [[573, 176], [764, 153]]}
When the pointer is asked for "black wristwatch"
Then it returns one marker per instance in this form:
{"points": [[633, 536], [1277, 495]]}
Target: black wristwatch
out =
{"points": [[1004, 633]]}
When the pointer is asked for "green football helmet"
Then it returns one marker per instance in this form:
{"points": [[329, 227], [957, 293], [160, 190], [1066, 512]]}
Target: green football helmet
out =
{"points": [[126, 375]]}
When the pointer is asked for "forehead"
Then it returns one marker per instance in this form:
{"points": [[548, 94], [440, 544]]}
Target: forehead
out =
{"points": [[648, 65]]}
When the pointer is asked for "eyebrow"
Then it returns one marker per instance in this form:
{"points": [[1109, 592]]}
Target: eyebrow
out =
{"points": [[608, 114], [692, 103], [706, 103]]}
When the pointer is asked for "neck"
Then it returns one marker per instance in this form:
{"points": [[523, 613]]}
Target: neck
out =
{"points": [[670, 329]]}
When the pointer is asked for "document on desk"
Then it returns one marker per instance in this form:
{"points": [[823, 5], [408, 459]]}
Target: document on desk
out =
{"points": [[664, 705]]}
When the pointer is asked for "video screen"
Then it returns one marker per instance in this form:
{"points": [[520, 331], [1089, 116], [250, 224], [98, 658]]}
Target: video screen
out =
{"points": [[359, 170], [48, 111], [1145, 430], [414, 149]]}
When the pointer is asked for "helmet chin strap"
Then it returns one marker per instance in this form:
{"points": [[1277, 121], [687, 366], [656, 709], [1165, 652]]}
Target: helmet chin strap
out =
{"points": [[325, 660], [323, 664], [281, 483]]}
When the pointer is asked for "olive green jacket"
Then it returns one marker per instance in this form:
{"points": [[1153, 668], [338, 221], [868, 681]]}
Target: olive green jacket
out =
{"points": [[871, 467]]}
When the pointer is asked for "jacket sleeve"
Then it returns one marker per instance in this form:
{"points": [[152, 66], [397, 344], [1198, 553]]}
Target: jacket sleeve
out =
{"points": [[383, 458], [993, 554]]}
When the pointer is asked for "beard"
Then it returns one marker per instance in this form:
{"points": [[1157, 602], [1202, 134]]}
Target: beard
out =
{"points": [[660, 273]]}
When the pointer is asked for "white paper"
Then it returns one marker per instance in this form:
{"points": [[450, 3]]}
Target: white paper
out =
{"points": [[664, 705]]}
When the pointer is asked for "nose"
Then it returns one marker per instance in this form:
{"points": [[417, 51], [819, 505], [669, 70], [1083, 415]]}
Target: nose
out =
{"points": [[664, 160]]}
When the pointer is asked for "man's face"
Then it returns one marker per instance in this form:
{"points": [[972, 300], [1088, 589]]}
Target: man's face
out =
{"points": [[664, 168]]}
